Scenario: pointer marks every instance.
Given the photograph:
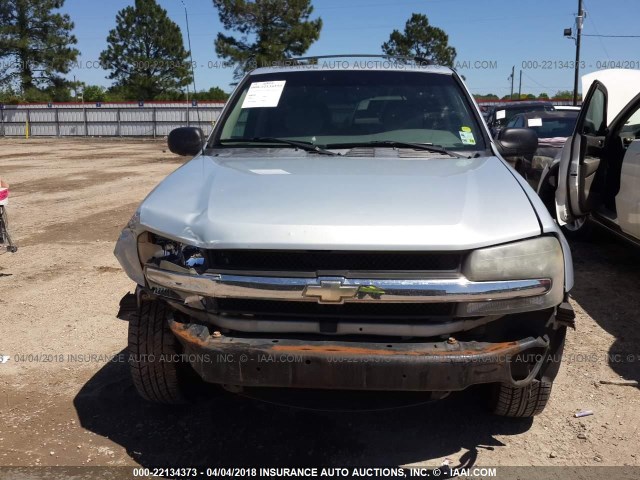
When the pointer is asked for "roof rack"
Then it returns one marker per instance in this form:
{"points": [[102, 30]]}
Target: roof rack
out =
{"points": [[420, 60]]}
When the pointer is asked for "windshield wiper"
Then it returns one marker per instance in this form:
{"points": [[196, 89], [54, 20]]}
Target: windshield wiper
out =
{"points": [[430, 147], [306, 146]]}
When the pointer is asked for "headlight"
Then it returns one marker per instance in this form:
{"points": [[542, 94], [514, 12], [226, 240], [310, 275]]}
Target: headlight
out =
{"points": [[136, 247], [159, 250], [538, 258]]}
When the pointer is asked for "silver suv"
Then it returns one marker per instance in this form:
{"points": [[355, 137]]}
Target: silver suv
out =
{"points": [[349, 227]]}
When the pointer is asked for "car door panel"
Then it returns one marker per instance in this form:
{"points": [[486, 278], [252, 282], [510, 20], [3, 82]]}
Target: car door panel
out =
{"points": [[588, 198], [628, 198], [591, 165], [581, 159]]}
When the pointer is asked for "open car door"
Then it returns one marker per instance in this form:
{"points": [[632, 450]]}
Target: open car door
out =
{"points": [[626, 128], [581, 159]]}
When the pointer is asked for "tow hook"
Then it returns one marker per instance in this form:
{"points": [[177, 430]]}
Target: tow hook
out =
{"points": [[565, 315]]}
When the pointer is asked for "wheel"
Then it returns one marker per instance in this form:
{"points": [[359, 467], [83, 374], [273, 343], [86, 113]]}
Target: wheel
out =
{"points": [[525, 402], [579, 229], [153, 351], [509, 401]]}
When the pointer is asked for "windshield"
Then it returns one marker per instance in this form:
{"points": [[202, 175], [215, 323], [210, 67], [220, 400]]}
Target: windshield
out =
{"points": [[349, 108]]}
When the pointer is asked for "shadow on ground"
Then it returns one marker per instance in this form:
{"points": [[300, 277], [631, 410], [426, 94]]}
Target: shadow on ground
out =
{"points": [[351, 429], [607, 281]]}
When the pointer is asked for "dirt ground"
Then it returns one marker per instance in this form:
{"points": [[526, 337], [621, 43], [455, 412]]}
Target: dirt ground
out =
{"points": [[65, 399]]}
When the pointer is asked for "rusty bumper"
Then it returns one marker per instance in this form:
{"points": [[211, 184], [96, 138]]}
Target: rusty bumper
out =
{"points": [[432, 366]]}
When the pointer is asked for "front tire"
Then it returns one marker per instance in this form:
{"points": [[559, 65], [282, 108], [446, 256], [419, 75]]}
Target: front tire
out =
{"points": [[579, 229], [524, 402], [153, 351]]}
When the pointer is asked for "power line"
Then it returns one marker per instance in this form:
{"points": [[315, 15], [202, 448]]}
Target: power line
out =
{"points": [[537, 83], [595, 29], [611, 36]]}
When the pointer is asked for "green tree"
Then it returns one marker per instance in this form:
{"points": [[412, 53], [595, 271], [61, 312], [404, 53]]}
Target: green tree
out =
{"points": [[213, 94], [270, 31], [36, 44], [488, 96], [543, 96], [116, 94], [9, 95], [564, 95], [94, 93], [145, 52], [420, 39]]}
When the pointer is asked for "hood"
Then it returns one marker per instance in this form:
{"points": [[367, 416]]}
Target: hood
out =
{"points": [[286, 199]]}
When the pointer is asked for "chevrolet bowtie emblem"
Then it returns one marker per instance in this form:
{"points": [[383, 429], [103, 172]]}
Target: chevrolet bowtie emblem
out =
{"points": [[330, 291]]}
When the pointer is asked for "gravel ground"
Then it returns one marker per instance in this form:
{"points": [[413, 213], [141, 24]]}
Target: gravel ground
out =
{"points": [[63, 402]]}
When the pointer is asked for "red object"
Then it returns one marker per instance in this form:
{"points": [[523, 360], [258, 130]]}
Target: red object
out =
{"points": [[4, 193]]}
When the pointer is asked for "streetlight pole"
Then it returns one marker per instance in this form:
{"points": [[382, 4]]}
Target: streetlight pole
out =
{"points": [[194, 96], [579, 23], [193, 73]]}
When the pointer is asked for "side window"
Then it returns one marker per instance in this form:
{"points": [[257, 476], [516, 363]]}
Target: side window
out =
{"points": [[512, 123], [594, 123], [631, 128]]}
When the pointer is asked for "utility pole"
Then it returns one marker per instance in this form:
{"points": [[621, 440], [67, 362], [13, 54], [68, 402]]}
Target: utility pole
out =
{"points": [[579, 24], [520, 87], [513, 72]]}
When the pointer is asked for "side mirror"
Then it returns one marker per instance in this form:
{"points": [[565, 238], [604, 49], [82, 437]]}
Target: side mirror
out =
{"points": [[517, 142], [186, 141]]}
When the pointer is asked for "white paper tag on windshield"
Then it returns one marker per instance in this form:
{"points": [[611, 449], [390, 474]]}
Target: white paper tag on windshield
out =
{"points": [[467, 138], [500, 114], [534, 122], [264, 94]]}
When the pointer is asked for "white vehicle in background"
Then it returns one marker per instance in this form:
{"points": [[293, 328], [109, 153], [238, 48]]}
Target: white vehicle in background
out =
{"points": [[568, 108], [598, 175]]}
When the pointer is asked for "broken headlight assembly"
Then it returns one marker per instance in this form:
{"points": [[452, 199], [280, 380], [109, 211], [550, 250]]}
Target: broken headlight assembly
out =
{"points": [[166, 253], [137, 247]]}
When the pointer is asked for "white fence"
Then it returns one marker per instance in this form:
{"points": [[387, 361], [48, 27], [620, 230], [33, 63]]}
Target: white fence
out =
{"points": [[106, 120]]}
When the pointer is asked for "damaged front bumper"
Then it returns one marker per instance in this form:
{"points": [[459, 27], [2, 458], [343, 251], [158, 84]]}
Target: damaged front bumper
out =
{"points": [[330, 364]]}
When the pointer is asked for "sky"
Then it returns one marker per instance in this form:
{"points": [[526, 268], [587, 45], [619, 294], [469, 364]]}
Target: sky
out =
{"points": [[490, 36]]}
